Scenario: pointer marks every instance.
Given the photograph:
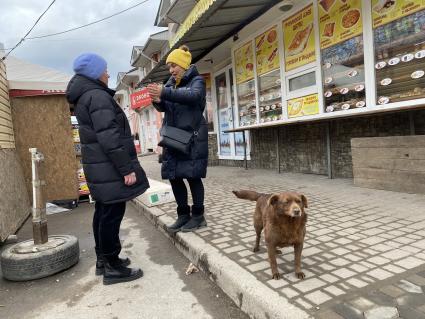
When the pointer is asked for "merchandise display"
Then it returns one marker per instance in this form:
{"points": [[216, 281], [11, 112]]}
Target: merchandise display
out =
{"points": [[400, 59], [247, 106], [270, 97]]}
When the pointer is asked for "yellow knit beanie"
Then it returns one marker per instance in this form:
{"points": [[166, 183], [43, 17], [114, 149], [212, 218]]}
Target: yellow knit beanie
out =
{"points": [[181, 57]]}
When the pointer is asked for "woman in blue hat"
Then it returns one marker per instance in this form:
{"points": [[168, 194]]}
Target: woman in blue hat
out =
{"points": [[113, 172]]}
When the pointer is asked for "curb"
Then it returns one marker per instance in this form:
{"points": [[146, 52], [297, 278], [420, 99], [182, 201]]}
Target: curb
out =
{"points": [[250, 295]]}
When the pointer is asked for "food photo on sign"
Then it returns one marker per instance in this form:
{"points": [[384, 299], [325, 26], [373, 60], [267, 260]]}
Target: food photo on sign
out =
{"points": [[299, 39]]}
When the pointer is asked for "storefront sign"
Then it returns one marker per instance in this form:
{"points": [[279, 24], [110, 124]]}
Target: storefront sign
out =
{"points": [[306, 105], [298, 36], [339, 21], [385, 11], [244, 60], [197, 11], [140, 99], [267, 51]]}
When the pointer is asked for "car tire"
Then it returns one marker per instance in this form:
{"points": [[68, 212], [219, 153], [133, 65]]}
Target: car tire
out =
{"points": [[62, 253]]}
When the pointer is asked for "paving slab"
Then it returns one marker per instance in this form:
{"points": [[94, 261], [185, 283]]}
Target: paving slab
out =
{"points": [[359, 243]]}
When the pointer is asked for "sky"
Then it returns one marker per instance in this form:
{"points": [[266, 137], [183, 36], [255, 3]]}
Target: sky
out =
{"points": [[113, 39]]}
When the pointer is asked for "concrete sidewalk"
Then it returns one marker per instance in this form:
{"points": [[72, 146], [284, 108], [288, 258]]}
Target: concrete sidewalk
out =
{"points": [[364, 255]]}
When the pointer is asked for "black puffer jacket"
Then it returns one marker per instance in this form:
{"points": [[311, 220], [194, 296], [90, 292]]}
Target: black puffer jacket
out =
{"points": [[184, 106], [107, 147]]}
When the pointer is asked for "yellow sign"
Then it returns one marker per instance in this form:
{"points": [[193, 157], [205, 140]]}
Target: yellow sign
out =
{"points": [[385, 11], [306, 105], [339, 20], [298, 36], [197, 11], [267, 51], [244, 61]]}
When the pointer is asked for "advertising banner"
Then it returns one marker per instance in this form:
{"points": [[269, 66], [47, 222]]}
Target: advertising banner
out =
{"points": [[298, 36], [339, 20]]}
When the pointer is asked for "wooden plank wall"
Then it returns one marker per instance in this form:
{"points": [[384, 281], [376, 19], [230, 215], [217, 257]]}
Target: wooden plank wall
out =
{"points": [[6, 127], [391, 163]]}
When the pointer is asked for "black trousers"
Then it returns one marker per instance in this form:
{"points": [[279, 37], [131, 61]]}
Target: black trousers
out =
{"points": [[180, 191], [106, 228]]}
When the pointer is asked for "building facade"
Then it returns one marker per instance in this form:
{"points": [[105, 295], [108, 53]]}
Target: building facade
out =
{"points": [[293, 85]]}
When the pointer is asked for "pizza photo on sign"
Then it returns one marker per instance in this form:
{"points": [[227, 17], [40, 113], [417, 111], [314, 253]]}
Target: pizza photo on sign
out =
{"points": [[383, 6], [329, 29], [350, 18], [300, 40], [326, 4]]}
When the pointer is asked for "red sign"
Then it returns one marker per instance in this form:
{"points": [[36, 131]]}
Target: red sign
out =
{"points": [[140, 99]]}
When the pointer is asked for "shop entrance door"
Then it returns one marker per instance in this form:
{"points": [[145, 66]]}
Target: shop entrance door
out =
{"points": [[230, 145]]}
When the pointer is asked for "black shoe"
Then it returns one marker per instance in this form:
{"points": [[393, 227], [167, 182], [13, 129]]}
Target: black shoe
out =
{"points": [[100, 264], [115, 274], [197, 221], [183, 216]]}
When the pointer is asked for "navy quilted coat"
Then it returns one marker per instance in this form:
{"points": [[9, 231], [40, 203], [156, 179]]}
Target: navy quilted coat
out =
{"points": [[183, 107], [107, 147]]}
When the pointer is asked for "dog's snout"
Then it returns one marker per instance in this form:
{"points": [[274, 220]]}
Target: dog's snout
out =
{"points": [[297, 212]]}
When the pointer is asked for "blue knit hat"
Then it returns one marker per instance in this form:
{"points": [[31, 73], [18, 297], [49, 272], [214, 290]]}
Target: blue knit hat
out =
{"points": [[90, 65]]}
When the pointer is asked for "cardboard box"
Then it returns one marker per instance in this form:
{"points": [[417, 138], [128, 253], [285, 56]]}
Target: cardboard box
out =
{"points": [[158, 193]]}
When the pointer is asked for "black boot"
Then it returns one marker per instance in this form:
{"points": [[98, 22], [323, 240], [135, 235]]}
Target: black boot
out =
{"points": [[116, 273], [183, 216], [197, 221], [100, 264]]}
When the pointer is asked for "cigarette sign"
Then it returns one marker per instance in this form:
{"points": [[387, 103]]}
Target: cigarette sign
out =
{"points": [[140, 99]]}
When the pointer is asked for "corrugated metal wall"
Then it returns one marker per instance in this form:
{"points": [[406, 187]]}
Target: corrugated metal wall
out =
{"points": [[6, 129]]}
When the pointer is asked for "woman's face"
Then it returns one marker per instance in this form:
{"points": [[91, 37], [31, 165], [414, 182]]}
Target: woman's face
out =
{"points": [[176, 70], [104, 77]]}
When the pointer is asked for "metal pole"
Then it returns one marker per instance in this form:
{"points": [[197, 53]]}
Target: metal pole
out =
{"points": [[39, 220], [244, 150], [328, 148], [277, 150], [412, 123]]}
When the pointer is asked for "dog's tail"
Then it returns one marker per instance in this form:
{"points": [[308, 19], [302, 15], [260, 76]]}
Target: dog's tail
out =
{"points": [[249, 195]]}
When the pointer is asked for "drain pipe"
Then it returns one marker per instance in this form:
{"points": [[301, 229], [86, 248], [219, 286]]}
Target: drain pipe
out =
{"points": [[39, 220]]}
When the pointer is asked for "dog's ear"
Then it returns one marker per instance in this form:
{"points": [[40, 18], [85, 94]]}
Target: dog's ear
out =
{"points": [[273, 200], [304, 200]]}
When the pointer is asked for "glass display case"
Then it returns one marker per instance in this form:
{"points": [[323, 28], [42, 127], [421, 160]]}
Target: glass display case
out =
{"points": [[400, 59], [270, 96], [247, 106], [343, 75]]}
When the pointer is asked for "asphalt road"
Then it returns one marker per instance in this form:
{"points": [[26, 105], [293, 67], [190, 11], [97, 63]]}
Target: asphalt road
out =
{"points": [[165, 291]]}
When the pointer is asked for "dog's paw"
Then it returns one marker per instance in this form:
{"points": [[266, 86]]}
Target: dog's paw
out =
{"points": [[276, 276], [256, 249], [300, 275], [278, 252]]}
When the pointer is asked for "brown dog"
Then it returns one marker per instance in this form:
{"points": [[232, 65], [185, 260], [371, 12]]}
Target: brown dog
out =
{"points": [[284, 221]]}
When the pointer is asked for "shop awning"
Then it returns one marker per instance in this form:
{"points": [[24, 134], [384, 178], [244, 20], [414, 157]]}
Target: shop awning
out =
{"points": [[209, 24], [180, 9]]}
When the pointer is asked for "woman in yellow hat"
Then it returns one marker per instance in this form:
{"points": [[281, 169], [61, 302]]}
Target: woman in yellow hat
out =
{"points": [[182, 99]]}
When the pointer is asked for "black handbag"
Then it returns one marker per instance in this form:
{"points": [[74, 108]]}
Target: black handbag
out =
{"points": [[177, 139]]}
